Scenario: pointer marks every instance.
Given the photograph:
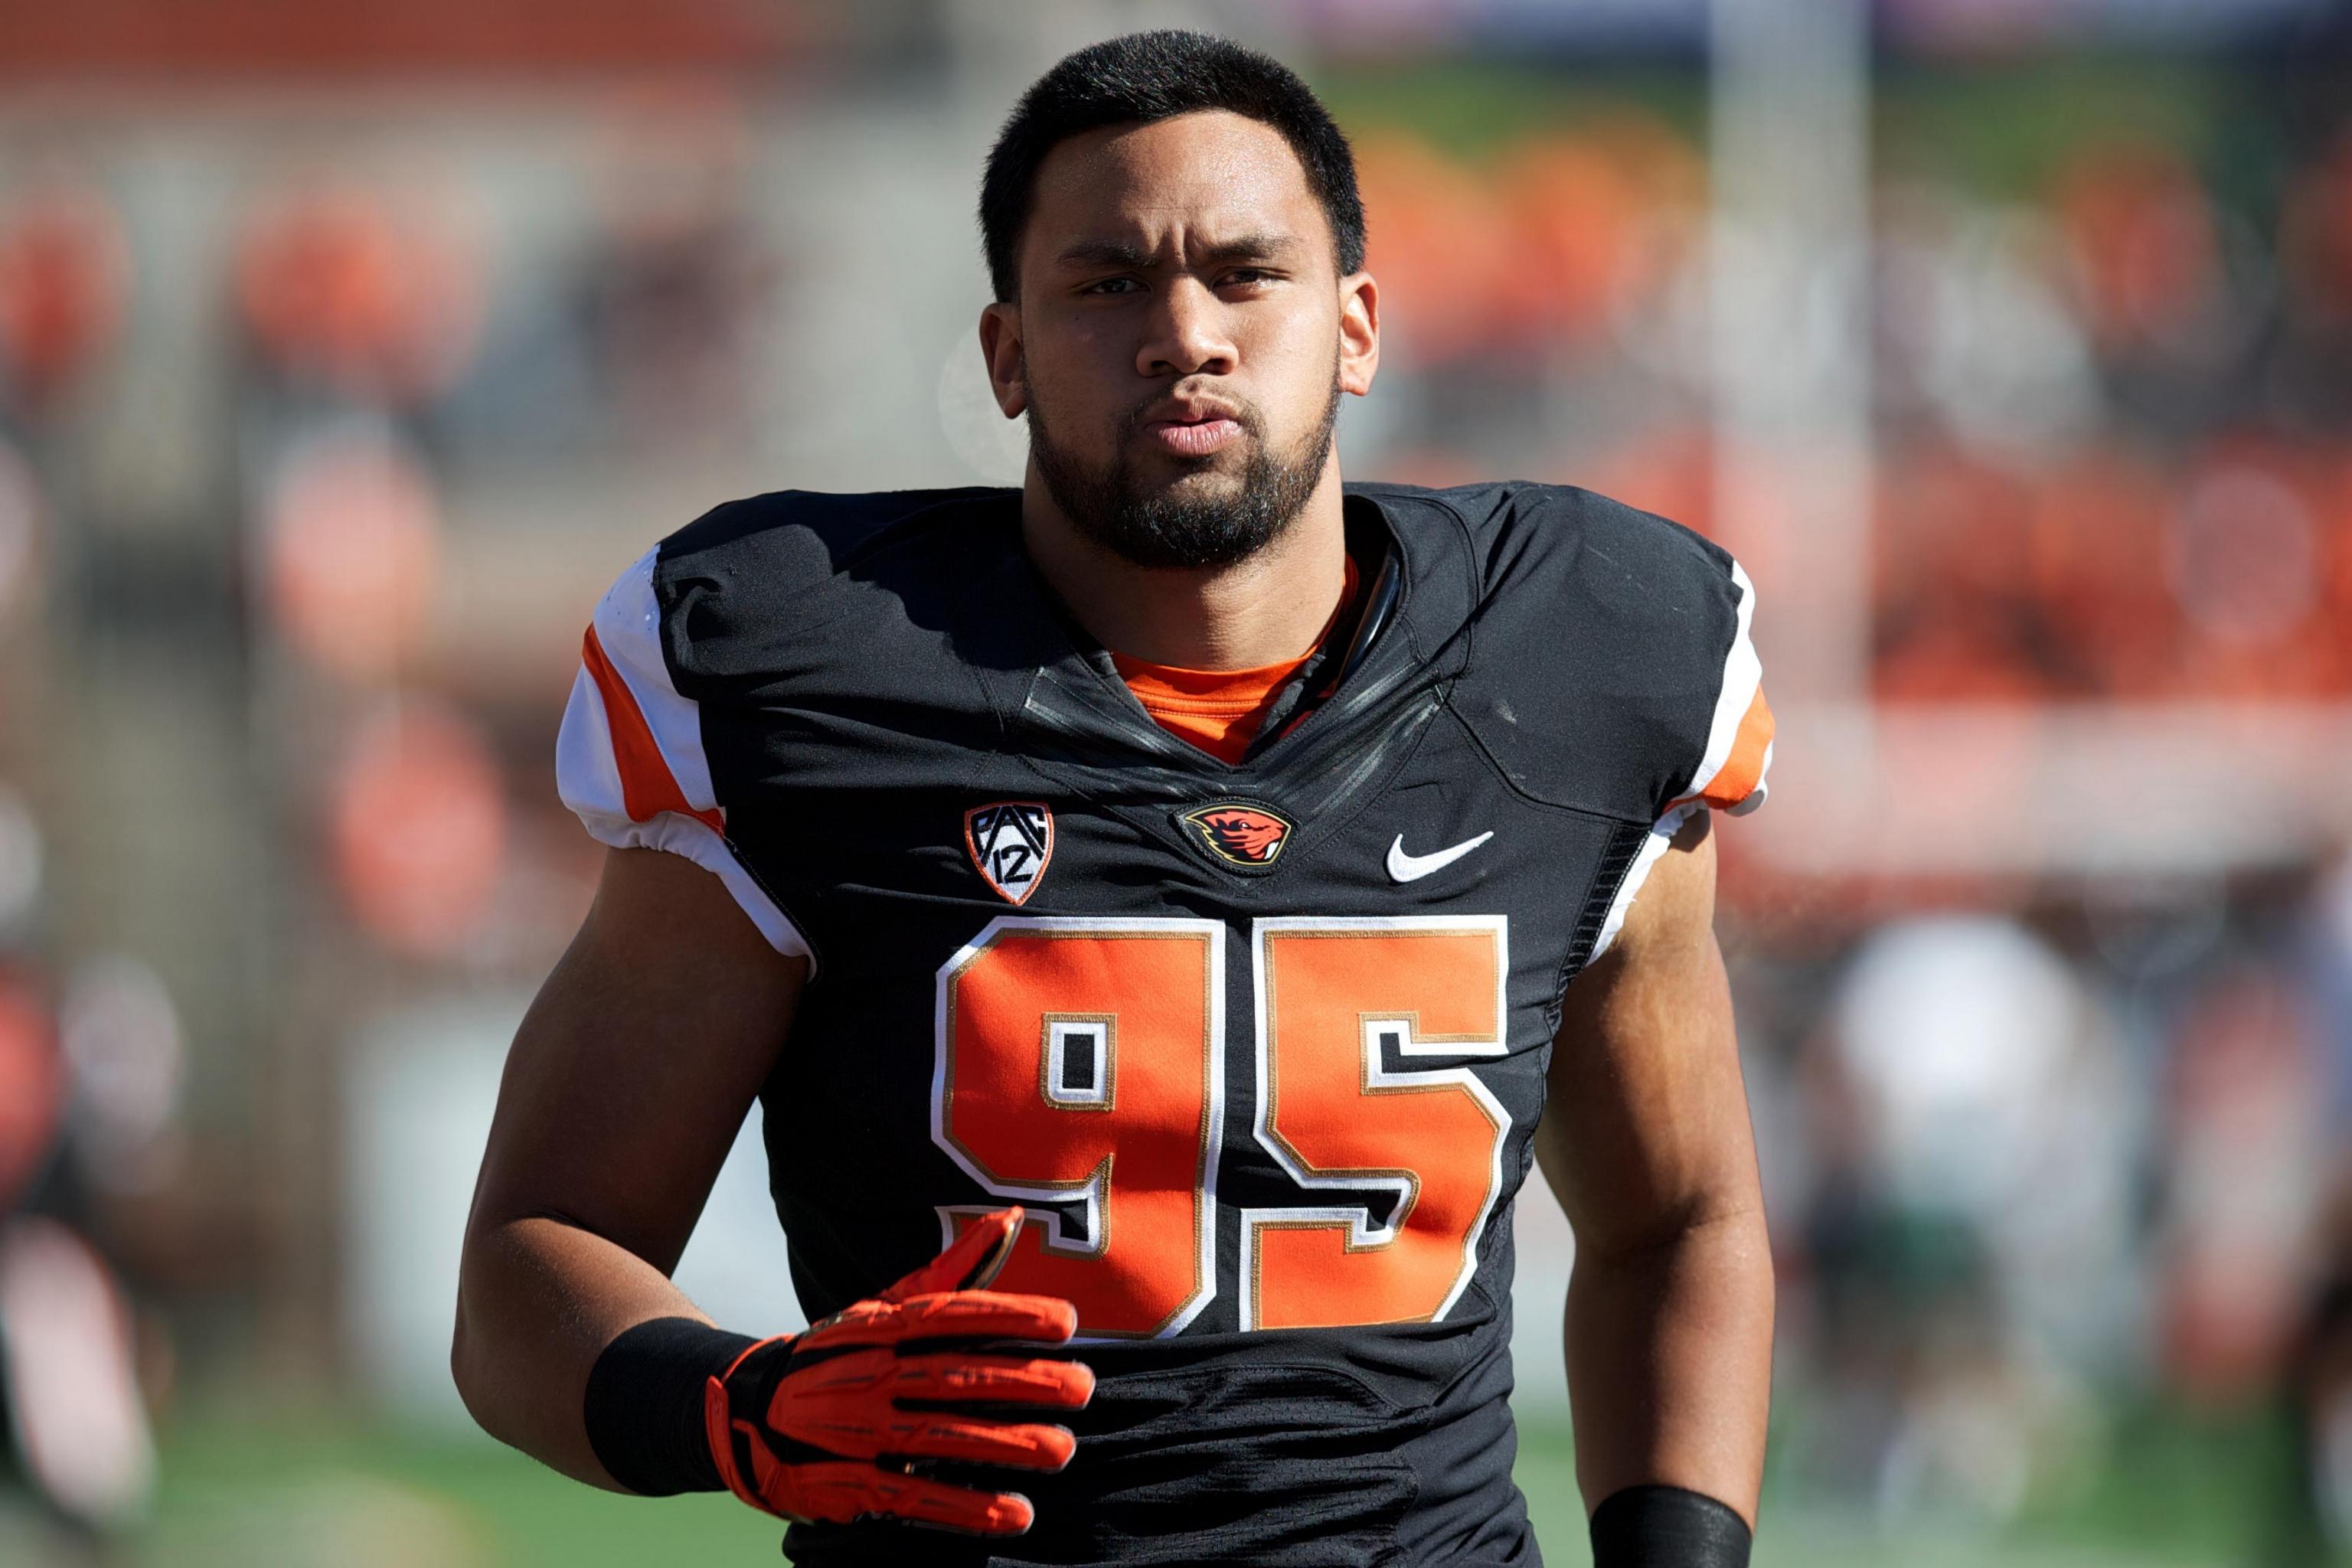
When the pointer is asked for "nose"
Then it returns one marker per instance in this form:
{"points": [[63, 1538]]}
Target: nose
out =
{"points": [[1187, 333]]}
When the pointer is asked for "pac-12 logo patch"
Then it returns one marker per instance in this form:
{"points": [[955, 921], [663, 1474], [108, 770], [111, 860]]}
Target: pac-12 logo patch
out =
{"points": [[1009, 843], [1247, 836]]}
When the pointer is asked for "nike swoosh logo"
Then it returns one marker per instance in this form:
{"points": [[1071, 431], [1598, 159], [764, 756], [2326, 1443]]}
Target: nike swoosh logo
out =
{"points": [[1404, 867]]}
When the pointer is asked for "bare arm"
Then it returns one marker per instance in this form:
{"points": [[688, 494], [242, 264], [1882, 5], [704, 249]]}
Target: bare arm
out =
{"points": [[625, 1087], [1645, 1139]]}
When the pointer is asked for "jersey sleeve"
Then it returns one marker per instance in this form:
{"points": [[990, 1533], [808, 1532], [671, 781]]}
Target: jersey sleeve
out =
{"points": [[1730, 775], [1730, 772], [629, 761]]}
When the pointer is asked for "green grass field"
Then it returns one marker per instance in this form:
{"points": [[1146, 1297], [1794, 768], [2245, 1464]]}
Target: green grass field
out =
{"points": [[244, 1493]]}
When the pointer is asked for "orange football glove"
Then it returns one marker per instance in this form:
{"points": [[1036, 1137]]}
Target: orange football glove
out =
{"points": [[820, 1425]]}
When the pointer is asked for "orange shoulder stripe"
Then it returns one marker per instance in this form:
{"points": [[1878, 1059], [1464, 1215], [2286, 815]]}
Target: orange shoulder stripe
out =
{"points": [[1741, 771], [647, 786]]}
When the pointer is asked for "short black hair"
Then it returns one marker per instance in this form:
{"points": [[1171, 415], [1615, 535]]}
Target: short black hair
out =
{"points": [[1143, 78]]}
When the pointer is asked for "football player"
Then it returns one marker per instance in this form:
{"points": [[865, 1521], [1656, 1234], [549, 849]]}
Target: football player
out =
{"points": [[1163, 912]]}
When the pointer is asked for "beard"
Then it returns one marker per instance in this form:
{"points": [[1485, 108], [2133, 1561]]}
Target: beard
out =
{"points": [[1112, 505]]}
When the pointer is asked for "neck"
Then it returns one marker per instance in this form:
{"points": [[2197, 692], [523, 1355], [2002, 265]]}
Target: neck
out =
{"points": [[1258, 611]]}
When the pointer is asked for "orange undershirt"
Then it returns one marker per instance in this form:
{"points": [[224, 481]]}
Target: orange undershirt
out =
{"points": [[1220, 710]]}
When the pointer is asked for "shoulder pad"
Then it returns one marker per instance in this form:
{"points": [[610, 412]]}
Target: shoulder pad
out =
{"points": [[747, 589], [1610, 669]]}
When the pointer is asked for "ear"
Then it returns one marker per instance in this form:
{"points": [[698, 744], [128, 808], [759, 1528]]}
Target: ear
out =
{"points": [[1359, 332], [1000, 344]]}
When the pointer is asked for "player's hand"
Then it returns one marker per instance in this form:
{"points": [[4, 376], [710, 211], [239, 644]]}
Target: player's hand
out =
{"points": [[819, 1426]]}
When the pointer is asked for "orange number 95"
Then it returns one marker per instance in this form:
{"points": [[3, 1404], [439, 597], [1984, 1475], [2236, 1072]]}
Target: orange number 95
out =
{"points": [[1080, 1066]]}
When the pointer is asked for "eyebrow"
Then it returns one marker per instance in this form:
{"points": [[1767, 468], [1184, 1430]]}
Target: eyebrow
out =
{"points": [[1119, 253]]}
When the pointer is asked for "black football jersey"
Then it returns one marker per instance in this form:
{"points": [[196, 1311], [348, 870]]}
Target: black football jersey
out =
{"points": [[1259, 1047]]}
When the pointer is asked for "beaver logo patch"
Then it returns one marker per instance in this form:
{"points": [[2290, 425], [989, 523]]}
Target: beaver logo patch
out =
{"points": [[1245, 834]]}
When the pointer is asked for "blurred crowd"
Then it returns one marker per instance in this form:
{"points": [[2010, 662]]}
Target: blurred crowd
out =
{"points": [[319, 434], [2112, 389], [2033, 1168]]}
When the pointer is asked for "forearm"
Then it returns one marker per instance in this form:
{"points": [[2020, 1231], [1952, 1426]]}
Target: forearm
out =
{"points": [[538, 1302], [1670, 1363]]}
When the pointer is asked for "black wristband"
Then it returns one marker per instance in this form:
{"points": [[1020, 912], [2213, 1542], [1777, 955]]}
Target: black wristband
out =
{"points": [[644, 1404], [1668, 1527]]}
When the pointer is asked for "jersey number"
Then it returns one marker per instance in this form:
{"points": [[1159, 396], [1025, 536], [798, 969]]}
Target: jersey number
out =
{"points": [[1080, 1066]]}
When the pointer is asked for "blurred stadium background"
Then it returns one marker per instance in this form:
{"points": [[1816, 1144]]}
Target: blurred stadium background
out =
{"points": [[347, 353]]}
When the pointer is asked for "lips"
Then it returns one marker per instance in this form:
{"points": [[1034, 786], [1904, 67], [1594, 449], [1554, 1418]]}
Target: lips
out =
{"points": [[1191, 429], [1195, 438]]}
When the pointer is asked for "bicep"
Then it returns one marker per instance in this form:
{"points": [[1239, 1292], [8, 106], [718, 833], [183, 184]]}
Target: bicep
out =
{"points": [[1646, 1130], [638, 1059]]}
